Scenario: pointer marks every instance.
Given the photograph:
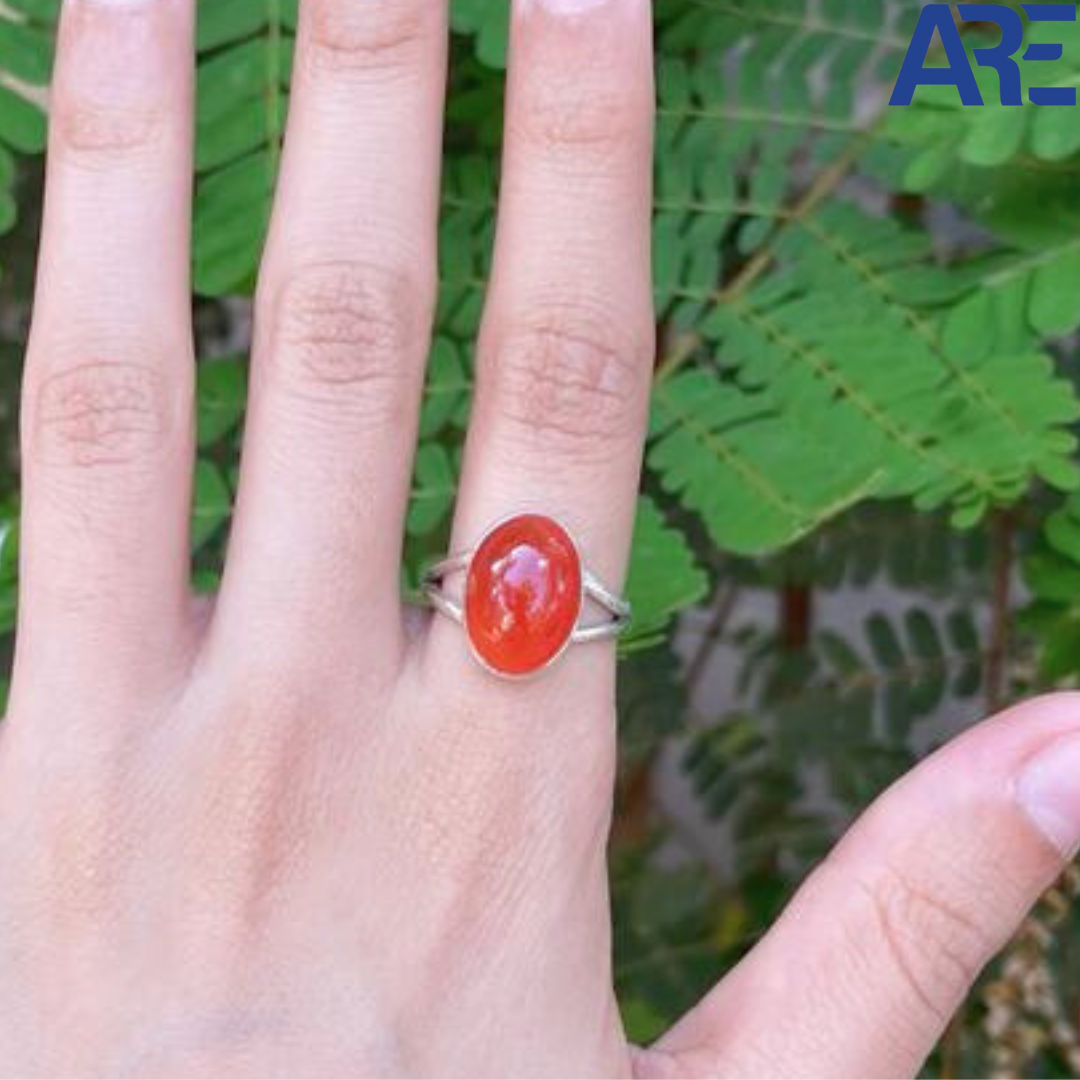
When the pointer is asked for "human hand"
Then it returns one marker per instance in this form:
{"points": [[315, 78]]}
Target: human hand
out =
{"points": [[300, 831]]}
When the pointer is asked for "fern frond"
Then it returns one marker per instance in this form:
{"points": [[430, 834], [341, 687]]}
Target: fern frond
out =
{"points": [[1052, 575], [790, 34], [245, 61], [884, 545], [664, 577], [211, 504], [752, 475], [846, 707], [1024, 137], [487, 22], [26, 28], [836, 335], [1000, 407]]}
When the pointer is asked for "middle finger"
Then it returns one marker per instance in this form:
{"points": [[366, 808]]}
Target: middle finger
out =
{"points": [[344, 312]]}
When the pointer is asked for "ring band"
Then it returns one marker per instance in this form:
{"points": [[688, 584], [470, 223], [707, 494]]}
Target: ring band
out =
{"points": [[524, 597]]}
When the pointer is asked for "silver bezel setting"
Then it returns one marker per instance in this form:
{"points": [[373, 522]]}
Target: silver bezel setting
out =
{"points": [[592, 588]]}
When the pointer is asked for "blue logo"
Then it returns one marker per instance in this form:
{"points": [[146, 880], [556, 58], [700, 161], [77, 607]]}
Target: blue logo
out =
{"points": [[939, 17]]}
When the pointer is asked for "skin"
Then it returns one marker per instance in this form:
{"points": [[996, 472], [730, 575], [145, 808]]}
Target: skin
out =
{"points": [[299, 831]]}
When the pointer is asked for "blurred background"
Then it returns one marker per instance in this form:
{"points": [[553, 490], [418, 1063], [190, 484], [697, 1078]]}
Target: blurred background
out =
{"points": [[858, 531]]}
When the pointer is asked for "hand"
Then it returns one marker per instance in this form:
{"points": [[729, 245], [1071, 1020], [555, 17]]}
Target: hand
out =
{"points": [[300, 832]]}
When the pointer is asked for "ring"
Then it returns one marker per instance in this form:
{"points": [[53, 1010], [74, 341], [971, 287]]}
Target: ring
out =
{"points": [[524, 596]]}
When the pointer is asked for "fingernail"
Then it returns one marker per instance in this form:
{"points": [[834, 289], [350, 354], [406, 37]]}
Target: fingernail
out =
{"points": [[90, 6], [1049, 791], [567, 7]]}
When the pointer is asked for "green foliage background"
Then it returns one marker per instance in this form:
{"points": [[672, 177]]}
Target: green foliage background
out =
{"points": [[865, 393]]}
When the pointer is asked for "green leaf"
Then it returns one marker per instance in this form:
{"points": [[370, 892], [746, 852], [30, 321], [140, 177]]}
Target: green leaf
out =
{"points": [[968, 334], [212, 503], [997, 135], [448, 387], [222, 394], [1052, 578], [664, 577], [642, 1023], [22, 124], [25, 52], [245, 62], [759, 480], [1055, 135], [1054, 307], [1063, 533], [434, 489], [488, 21]]}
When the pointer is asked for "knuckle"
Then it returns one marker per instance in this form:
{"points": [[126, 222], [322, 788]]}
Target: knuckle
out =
{"points": [[937, 948], [76, 851], [561, 115], [366, 37], [570, 381], [251, 774], [100, 414], [344, 332], [469, 806], [98, 131], [483, 806], [243, 786]]}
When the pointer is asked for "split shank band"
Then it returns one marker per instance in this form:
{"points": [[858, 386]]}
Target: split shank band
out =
{"points": [[617, 609]]}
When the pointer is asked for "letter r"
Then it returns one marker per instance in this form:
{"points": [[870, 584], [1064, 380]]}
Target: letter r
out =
{"points": [[1000, 56]]}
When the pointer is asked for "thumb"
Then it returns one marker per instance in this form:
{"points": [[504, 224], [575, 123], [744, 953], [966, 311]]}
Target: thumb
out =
{"points": [[878, 949]]}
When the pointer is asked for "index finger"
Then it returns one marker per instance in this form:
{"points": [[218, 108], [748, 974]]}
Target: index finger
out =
{"points": [[107, 417]]}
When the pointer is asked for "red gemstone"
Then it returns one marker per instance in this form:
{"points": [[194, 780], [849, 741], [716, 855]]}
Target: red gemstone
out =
{"points": [[523, 594]]}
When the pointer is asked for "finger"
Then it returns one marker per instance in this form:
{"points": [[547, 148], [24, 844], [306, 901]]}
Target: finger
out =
{"points": [[566, 350], [107, 413], [344, 314], [880, 946]]}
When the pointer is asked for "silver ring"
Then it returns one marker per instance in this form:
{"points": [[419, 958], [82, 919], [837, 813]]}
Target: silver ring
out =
{"points": [[520, 566]]}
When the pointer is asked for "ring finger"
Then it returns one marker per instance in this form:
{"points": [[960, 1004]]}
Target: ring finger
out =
{"points": [[566, 349]]}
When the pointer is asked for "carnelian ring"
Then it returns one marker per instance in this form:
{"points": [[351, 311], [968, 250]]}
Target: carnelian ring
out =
{"points": [[525, 592]]}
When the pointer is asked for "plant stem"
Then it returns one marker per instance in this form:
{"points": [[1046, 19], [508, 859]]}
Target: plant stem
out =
{"points": [[710, 637], [950, 1047], [1002, 537], [796, 617]]}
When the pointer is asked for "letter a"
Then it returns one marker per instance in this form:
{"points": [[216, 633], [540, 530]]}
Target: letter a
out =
{"points": [[936, 17]]}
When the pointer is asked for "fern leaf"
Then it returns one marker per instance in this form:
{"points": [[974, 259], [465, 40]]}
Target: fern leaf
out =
{"points": [[26, 28], [757, 480], [245, 61], [487, 21], [664, 578]]}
